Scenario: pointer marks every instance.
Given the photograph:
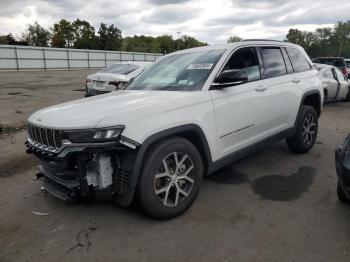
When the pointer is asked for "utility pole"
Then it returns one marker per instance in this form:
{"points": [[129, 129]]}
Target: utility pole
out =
{"points": [[178, 40]]}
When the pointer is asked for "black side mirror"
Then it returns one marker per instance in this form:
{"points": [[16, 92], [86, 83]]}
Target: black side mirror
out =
{"points": [[230, 78]]}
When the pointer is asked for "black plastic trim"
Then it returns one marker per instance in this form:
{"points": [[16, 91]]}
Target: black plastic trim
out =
{"points": [[309, 93], [242, 153], [128, 197]]}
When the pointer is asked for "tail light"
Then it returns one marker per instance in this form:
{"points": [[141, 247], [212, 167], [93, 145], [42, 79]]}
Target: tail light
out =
{"points": [[114, 83], [118, 84], [345, 71]]}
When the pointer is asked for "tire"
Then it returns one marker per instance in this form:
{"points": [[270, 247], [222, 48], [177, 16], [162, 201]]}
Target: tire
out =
{"points": [[325, 95], [171, 193], [340, 193], [347, 99], [305, 131]]}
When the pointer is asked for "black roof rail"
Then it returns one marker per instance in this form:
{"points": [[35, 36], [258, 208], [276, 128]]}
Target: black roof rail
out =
{"points": [[280, 41]]}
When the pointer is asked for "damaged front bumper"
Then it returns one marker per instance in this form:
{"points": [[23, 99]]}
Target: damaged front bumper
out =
{"points": [[342, 163], [89, 170]]}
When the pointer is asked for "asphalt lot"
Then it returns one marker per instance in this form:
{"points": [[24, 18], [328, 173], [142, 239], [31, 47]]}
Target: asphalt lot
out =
{"points": [[271, 206]]}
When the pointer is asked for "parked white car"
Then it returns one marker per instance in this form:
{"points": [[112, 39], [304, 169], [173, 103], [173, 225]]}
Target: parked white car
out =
{"points": [[114, 77], [189, 114], [335, 86]]}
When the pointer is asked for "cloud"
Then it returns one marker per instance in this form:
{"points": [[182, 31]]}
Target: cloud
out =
{"points": [[212, 21], [168, 14], [166, 2]]}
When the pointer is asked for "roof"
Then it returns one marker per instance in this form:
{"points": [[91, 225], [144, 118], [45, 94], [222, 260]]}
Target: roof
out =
{"points": [[321, 66], [241, 43]]}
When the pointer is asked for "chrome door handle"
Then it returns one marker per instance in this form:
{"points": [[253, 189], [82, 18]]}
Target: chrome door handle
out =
{"points": [[296, 80], [261, 88]]}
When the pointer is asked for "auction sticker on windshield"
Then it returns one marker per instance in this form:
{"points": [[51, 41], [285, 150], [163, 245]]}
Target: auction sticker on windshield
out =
{"points": [[205, 66]]}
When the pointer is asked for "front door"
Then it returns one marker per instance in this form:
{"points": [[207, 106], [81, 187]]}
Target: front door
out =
{"points": [[242, 111]]}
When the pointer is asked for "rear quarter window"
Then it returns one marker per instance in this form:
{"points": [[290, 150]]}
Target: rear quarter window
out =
{"points": [[273, 62], [298, 60]]}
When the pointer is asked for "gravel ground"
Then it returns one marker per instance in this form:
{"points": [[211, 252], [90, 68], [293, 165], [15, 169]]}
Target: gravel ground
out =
{"points": [[271, 206]]}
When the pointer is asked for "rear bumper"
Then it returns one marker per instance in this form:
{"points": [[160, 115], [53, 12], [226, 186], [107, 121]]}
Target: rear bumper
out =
{"points": [[342, 163]]}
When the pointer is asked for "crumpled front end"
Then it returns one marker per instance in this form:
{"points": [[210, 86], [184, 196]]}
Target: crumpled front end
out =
{"points": [[342, 163], [73, 171]]}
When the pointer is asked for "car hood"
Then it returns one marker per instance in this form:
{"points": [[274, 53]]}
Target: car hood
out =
{"points": [[120, 106]]}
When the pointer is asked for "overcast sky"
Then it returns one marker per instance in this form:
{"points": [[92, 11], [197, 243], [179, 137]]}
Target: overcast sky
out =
{"points": [[212, 21]]}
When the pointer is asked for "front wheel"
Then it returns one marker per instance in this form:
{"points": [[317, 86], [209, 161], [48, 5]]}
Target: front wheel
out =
{"points": [[171, 177], [305, 131]]}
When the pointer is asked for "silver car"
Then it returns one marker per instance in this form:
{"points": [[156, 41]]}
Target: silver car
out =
{"points": [[335, 86], [114, 77]]}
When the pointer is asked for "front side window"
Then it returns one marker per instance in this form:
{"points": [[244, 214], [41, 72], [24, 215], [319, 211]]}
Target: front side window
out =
{"points": [[298, 60], [120, 69], [273, 62], [179, 72], [246, 60]]}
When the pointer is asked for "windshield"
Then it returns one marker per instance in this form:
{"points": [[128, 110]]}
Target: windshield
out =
{"points": [[121, 69], [348, 63], [180, 72]]}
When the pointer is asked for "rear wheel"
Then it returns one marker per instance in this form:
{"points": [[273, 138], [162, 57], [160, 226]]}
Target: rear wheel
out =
{"points": [[305, 132], [171, 177]]}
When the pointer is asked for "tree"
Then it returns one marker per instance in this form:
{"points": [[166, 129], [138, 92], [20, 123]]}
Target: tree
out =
{"points": [[161, 44], [36, 35], [3, 40], [342, 36], [323, 41], [234, 39], [295, 36], [84, 35], [62, 34], [165, 44], [110, 38], [189, 42], [12, 41]]}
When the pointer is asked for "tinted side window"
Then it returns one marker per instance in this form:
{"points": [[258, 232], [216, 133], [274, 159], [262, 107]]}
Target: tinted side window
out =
{"points": [[273, 61], [245, 59], [298, 60]]}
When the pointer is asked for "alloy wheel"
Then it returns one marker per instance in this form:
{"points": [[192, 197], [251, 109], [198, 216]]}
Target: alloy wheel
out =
{"points": [[174, 182], [309, 129]]}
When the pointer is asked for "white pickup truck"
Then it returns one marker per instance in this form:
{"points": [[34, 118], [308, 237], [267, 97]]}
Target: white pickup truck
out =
{"points": [[189, 114]]}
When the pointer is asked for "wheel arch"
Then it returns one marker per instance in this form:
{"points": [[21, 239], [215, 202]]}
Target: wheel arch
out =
{"points": [[312, 98], [191, 132]]}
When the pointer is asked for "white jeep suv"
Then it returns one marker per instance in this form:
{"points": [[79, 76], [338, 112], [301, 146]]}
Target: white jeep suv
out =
{"points": [[189, 114]]}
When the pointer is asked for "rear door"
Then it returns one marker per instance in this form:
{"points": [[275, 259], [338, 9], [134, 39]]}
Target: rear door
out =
{"points": [[330, 84], [283, 86], [343, 85]]}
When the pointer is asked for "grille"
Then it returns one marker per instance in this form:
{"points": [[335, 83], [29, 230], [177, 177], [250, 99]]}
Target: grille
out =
{"points": [[45, 138]]}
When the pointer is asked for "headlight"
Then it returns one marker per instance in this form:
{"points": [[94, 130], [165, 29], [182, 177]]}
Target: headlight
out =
{"points": [[94, 135]]}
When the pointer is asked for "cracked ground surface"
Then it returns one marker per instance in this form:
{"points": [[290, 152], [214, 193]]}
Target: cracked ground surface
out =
{"points": [[271, 206]]}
